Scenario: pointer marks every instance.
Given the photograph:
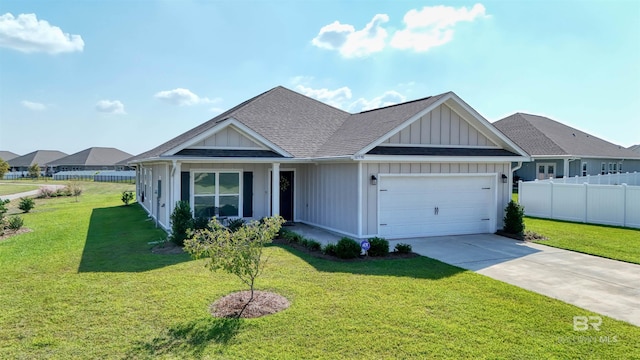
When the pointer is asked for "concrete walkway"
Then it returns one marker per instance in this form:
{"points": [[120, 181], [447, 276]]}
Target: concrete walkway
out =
{"points": [[593, 283]]}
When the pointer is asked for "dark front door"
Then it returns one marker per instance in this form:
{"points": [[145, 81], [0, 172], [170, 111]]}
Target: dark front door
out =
{"points": [[286, 195]]}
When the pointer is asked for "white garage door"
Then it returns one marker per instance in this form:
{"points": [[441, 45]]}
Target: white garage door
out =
{"points": [[413, 206]]}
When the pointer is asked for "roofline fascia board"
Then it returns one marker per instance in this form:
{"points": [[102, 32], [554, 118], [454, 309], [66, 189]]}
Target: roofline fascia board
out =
{"points": [[576, 157], [405, 123], [443, 159], [221, 125], [439, 146], [492, 128]]}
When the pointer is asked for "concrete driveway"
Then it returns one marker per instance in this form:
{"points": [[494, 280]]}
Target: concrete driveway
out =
{"points": [[600, 285]]}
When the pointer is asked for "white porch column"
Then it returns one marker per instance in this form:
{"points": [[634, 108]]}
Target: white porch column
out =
{"points": [[275, 189], [566, 168], [176, 191]]}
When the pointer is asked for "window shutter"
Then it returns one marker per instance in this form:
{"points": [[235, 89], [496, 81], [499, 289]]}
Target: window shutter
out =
{"points": [[247, 194], [185, 183]]}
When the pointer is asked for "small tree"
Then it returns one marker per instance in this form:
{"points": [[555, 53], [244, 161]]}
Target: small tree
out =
{"points": [[181, 222], [238, 253], [26, 204], [3, 210], [74, 189], [514, 218], [4, 168], [127, 197], [34, 171]]}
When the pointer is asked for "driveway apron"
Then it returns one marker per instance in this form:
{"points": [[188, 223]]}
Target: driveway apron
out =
{"points": [[604, 286]]}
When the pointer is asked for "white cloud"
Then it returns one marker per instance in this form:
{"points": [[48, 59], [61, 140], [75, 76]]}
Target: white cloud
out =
{"points": [[336, 98], [388, 98], [110, 106], [433, 26], [183, 97], [351, 43], [27, 34], [33, 105]]}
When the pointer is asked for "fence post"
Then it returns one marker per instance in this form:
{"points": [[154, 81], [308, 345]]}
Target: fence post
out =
{"points": [[586, 202], [624, 204], [519, 191], [551, 198]]}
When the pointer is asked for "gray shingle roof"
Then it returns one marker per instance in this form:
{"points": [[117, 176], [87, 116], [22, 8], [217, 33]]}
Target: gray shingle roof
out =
{"points": [[95, 156], [305, 127], [8, 155], [635, 148], [539, 135], [40, 157]]}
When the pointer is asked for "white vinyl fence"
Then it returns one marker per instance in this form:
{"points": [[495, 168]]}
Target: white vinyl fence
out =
{"points": [[607, 179], [590, 203]]}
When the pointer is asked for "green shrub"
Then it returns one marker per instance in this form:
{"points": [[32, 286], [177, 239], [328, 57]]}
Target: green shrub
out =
{"points": [[26, 204], [15, 222], [403, 248], [304, 242], [379, 247], [200, 223], [513, 219], [329, 249], [235, 224], [347, 248], [127, 197], [181, 222], [3, 209], [313, 245]]}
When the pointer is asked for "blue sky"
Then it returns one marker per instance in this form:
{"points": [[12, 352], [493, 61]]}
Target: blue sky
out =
{"points": [[133, 74]]}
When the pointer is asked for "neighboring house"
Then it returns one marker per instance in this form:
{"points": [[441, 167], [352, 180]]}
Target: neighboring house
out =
{"points": [[40, 157], [432, 166], [7, 155], [635, 148], [95, 158], [558, 150]]}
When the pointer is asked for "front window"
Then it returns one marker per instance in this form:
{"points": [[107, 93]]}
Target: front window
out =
{"points": [[603, 170], [584, 169], [216, 194]]}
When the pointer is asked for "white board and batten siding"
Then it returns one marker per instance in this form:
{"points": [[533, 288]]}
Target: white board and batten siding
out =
{"points": [[441, 126], [228, 138], [436, 205]]}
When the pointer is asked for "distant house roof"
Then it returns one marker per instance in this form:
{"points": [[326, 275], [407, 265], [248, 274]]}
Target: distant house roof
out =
{"points": [[541, 136], [8, 155], [635, 148], [40, 157], [304, 127], [95, 156]]}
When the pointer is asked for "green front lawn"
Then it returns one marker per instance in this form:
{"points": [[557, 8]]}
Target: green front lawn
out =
{"points": [[606, 241], [84, 284], [8, 189]]}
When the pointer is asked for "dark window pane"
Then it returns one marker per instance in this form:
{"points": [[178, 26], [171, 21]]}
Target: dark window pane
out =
{"points": [[204, 206], [229, 205], [204, 183], [229, 183]]}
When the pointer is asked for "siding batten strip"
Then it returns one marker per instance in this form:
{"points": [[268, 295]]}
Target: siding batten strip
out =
{"points": [[359, 222]]}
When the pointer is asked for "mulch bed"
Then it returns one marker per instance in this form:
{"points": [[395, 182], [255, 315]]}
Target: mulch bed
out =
{"points": [[263, 303], [321, 255], [9, 233], [528, 236]]}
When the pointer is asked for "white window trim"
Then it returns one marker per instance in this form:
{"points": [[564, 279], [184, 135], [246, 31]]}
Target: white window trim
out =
{"points": [[217, 194], [546, 169], [584, 167]]}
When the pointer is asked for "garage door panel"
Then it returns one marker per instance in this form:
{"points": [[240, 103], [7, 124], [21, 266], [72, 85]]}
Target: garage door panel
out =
{"points": [[413, 206]]}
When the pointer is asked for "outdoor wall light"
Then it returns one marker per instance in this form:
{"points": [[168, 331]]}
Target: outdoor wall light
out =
{"points": [[504, 178], [374, 180]]}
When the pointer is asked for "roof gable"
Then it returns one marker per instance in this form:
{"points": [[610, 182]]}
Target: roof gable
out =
{"points": [[8, 155], [541, 136]]}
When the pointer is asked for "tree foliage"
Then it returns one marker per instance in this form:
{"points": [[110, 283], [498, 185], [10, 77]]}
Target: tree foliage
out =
{"points": [[238, 253], [181, 222], [4, 168], [34, 171], [514, 218]]}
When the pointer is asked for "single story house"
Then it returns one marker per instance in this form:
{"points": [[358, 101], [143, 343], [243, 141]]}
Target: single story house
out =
{"points": [[94, 158], [432, 166], [558, 150], [7, 155], [40, 157]]}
